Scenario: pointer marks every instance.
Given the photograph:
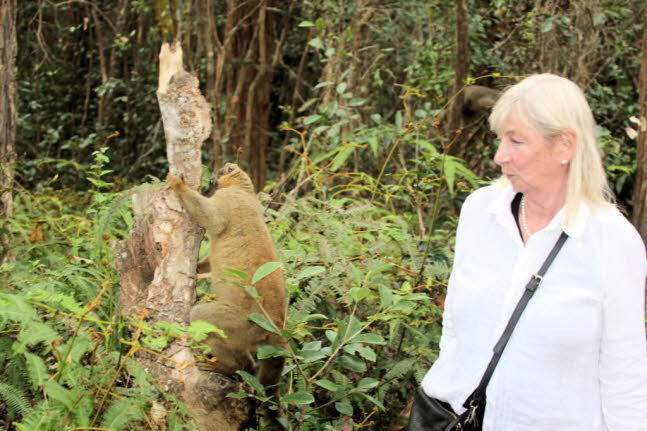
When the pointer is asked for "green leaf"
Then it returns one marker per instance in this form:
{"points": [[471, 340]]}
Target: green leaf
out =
{"points": [[199, 330], [369, 338], [341, 158], [319, 23], [307, 104], [311, 119], [316, 43], [403, 306], [252, 381], [270, 351], [373, 400], [298, 398], [367, 353], [386, 296], [312, 345], [352, 363], [368, 383], [356, 101], [251, 291], [546, 26], [331, 335], [359, 293], [237, 395], [450, 173], [324, 84], [373, 143], [417, 297], [350, 327], [327, 384], [310, 271], [344, 407], [261, 321], [236, 273], [372, 273], [311, 355], [265, 270], [341, 87], [306, 24]]}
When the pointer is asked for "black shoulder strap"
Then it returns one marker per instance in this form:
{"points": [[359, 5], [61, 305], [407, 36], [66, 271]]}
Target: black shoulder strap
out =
{"points": [[479, 393]]}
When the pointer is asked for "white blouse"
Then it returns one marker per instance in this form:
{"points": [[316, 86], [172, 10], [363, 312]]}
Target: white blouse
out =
{"points": [[577, 359]]}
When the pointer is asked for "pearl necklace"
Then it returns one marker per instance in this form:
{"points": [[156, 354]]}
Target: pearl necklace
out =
{"points": [[524, 222]]}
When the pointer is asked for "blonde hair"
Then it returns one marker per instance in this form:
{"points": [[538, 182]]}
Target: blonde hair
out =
{"points": [[551, 104]]}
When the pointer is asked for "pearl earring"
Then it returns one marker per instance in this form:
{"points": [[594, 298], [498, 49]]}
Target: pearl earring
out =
{"points": [[564, 162]]}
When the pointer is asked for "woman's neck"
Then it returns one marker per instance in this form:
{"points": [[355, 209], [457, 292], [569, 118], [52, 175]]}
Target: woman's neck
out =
{"points": [[541, 208]]}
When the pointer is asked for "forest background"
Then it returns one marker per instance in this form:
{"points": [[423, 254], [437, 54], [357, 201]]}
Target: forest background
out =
{"points": [[351, 119]]}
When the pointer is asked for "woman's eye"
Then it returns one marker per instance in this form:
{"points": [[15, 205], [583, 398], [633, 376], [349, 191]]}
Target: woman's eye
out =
{"points": [[515, 142]]}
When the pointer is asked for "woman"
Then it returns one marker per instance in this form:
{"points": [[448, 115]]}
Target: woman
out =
{"points": [[577, 359]]}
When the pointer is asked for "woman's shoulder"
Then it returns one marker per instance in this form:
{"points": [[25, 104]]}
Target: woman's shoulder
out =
{"points": [[615, 230], [483, 197]]}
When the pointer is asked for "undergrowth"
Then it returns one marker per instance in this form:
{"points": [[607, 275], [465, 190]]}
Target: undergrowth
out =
{"points": [[365, 259]]}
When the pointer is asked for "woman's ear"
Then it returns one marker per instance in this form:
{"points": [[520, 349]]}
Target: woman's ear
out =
{"points": [[568, 143]]}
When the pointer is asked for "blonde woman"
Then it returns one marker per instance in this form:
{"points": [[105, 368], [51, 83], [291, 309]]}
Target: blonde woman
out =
{"points": [[577, 358]]}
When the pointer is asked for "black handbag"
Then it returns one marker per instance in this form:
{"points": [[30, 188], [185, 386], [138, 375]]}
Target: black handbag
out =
{"points": [[430, 414]]}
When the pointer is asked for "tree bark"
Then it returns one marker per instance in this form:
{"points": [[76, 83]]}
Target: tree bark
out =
{"points": [[455, 118], [640, 189], [7, 116], [158, 262]]}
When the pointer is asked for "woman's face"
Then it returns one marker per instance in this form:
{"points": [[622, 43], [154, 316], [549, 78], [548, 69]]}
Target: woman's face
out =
{"points": [[530, 162]]}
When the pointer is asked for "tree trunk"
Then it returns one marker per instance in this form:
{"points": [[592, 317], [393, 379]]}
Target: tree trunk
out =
{"points": [[7, 116], [158, 262], [640, 189], [455, 119]]}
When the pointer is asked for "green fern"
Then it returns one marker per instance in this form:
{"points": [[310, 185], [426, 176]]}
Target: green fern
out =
{"points": [[14, 399], [119, 414], [33, 334], [15, 372], [16, 309], [43, 417], [37, 370]]}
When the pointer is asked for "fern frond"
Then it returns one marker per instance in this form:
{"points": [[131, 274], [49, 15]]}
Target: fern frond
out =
{"points": [[400, 369], [37, 371], [34, 333], [43, 417], [16, 309], [15, 371], [119, 414], [14, 399], [55, 298]]}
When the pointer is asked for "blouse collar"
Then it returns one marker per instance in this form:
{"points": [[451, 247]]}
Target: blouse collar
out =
{"points": [[500, 208]]}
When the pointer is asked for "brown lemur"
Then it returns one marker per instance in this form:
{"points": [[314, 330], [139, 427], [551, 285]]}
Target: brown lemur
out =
{"points": [[233, 216]]}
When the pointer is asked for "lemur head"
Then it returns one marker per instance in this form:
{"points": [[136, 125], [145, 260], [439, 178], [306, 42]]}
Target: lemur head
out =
{"points": [[231, 175]]}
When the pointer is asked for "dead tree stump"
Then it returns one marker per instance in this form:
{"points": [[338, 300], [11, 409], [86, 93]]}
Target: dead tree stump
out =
{"points": [[157, 263]]}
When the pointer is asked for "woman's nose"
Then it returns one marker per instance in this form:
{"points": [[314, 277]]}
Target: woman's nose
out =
{"points": [[502, 156]]}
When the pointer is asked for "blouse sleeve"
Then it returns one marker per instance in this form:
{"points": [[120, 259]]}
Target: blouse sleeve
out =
{"points": [[623, 350], [448, 337]]}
